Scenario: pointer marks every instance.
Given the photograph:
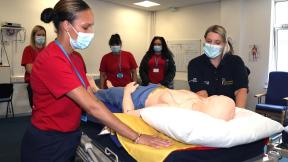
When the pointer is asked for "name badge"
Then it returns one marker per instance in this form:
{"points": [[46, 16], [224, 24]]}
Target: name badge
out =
{"points": [[119, 75], [227, 82], [156, 70]]}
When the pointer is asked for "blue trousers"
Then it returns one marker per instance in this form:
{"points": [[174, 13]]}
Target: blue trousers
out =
{"points": [[49, 146]]}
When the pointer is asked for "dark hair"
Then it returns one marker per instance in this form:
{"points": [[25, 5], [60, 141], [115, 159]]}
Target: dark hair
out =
{"points": [[63, 10], [165, 50], [115, 40]]}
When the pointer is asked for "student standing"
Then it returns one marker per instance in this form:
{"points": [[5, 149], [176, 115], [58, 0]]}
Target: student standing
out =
{"points": [[218, 71], [157, 65], [37, 43], [61, 90], [118, 66]]}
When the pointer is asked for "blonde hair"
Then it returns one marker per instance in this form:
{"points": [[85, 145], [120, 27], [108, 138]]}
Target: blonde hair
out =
{"points": [[223, 33], [33, 34]]}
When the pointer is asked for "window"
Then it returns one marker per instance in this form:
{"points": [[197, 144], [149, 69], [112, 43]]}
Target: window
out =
{"points": [[279, 59]]}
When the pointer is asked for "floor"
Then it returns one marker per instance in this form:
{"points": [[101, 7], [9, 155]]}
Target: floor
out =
{"points": [[12, 130]]}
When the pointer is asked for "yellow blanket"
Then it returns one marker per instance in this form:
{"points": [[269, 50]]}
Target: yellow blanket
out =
{"points": [[143, 153]]}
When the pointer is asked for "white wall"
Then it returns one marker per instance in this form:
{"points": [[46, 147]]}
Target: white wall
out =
{"points": [[247, 22], [132, 25], [26, 13], [256, 30], [187, 23], [231, 12]]}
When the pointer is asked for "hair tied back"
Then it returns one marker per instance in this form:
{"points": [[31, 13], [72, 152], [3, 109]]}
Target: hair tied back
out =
{"points": [[47, 15]]}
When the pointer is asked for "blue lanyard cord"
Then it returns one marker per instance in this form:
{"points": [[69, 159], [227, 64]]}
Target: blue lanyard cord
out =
{"points": [[67, 56], [83, 116]]}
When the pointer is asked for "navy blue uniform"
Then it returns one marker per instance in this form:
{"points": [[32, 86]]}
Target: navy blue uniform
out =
{"points": [[228, 77]]}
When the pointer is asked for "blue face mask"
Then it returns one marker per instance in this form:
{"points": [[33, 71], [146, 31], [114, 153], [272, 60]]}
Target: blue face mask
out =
{"points": [[212, 51], [115, 49], [83, 40], [157, 48], [40, 40]]}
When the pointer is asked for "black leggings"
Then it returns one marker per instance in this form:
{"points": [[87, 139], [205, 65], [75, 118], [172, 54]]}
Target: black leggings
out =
{"points": [[30, 95]]}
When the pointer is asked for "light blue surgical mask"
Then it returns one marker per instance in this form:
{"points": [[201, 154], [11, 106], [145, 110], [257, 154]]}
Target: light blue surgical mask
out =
{"points": [[212, 51], [157, 48], [40, 40], [115, 49], [83, 40]]}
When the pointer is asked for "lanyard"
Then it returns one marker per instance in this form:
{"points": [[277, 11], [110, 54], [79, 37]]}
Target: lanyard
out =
{"points": [[119, 62], [156, 61], [74, 68], [83, 116]]}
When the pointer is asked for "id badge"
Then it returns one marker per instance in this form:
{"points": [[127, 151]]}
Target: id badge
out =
{"points": [[156, 70], [119, 75]]}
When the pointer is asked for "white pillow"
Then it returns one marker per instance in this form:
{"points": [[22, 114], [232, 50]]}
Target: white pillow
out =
{"points": [[193, 127], [286, 129]]}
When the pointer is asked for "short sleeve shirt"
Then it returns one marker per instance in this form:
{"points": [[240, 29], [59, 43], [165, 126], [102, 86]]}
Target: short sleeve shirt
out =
{"points": [[229, 76], [28, 57], [52, 78], [114, 64], [156, 70]]}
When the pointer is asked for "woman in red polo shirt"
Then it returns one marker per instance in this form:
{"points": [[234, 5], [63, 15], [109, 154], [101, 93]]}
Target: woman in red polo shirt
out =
{"points": [[118, 66], [61, 90], [158, 66], [37, 43]]}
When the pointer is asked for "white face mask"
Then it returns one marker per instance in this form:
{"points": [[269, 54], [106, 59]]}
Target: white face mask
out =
{"points": [[40, 40], [157, 48], [212, 51], [115, 49], [83, 40]]}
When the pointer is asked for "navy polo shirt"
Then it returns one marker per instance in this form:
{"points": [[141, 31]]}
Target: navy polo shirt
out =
{"points": [[229, 76]]}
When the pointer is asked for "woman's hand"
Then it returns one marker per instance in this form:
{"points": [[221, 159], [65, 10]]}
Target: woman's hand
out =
{"points": [[131, 87], [153, 141]]}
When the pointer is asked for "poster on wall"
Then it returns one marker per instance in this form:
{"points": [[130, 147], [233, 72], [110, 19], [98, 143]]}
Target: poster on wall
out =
{"points": [[184, 51], [254, 53]]}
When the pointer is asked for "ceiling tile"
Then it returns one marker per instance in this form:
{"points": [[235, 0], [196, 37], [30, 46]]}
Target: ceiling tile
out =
{"points": [[164, 4]]}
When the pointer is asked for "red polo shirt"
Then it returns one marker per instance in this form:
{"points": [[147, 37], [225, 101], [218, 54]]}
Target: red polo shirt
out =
{"points": [[28, 57], [51, 79], [111, 64], [156, 68]]}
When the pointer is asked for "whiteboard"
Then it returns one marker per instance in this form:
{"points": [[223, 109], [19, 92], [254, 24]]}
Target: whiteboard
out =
{"points": [[184, 51]]}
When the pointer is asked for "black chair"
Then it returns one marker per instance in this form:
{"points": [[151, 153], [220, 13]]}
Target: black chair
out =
{"points": [[6, 94], [276, 97]]}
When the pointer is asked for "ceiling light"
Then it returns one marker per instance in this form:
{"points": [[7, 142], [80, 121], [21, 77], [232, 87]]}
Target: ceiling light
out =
{"points": [[146, 4]]}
